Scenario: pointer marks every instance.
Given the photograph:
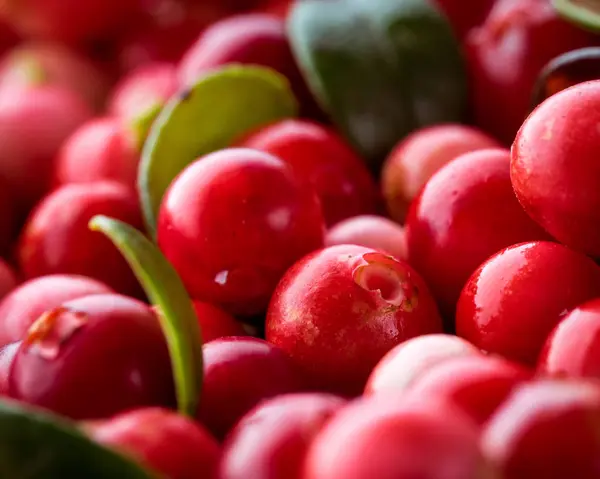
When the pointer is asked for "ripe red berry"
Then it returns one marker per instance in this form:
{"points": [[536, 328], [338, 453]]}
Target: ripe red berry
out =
{"points": [[216, 323], [320, 156], [465, 213], [512, 302], [57, 240], [338, 311], [7, 354], [463, 16], [554, 169], [573, 348], [94, 357], [233, 222], [162, 440], [8, 279]]}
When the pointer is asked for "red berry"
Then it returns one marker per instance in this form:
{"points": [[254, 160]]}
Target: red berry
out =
{"points": [[474, 383], [466, 213], [506, 55], [8, 216], [338, 311], [416, 158], [514, 300], [8, 279], [233, 222], [408, 361], [216, 323], [272, 440], [7, 355], [573, 348], [57, 240], [101, 149], [162, 440], [319, 156], [554, 168], [463, 16], [94, 357], [238, 374], [386, 440], [547, 429]]}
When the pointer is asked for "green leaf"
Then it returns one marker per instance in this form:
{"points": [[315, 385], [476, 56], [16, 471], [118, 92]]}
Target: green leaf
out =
{"points": [[217, 110], [38, 445], [583, 13], [381, 68], [172, 303]]}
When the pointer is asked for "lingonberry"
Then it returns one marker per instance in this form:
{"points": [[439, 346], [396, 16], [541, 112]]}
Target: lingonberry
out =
{"points": [[370, 231], [238, 374], [272, 440], [505, 56], [216, 323], [162, 440], [573, 348], [26, 303], [554, 169], [233, 222], [8, 279], [466, 212], [547, 429], [338, 311], [57, 240], [320, 156], [513, 301], [408, 361], [7, 354], [476, 384], [101, 149], [416, 158], [94, 357]]}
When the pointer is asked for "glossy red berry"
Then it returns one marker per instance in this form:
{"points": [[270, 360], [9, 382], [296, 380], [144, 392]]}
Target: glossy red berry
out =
{"points": [[322, 158], [162, 440], [7, 354], [272, 440], [547, 429], [94, 357], [410, 360], [514, 300], [233, 222], [26, 303], [505, 56], [573, 348], [238, 374], [338, 311], [57, 240], [465, 213], [554, 169], [8, 279], [416, 158], [216, 323]]}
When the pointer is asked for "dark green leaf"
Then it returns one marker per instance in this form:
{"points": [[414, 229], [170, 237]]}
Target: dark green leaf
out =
{"points": [[584, 13]]}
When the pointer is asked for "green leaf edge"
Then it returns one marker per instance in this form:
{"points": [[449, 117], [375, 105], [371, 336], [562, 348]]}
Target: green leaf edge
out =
{"points": [[579, 15], [280, 85], [173, 305]]}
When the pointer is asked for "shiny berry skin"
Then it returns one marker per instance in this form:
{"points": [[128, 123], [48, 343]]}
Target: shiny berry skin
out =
{"points": [[554, 169], [465, 213], [338, 311], [216, 323], [7, 354], [475, 384], [514, 300], [393, 440], [506, 54], [573, 348], [233, 222], [57, 240], [80, 360], [410, 360], [26, 303], [162, 440], [547, 429], [271, 441], [416, 158], [370, 231], [8, 279], [240, 372], [322, 158]]}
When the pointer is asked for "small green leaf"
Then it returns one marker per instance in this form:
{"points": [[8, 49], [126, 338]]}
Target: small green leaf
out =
{"points": [[173, 306], [381, 68], [217, 110], [583, 13], [38, 445]]}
